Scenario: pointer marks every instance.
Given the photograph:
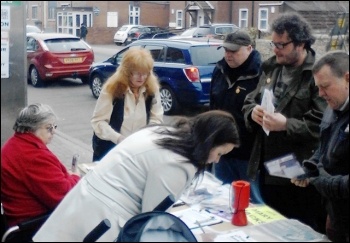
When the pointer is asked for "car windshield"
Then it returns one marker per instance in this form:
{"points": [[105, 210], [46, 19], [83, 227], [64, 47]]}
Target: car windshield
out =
{"points": [[202, 31], [189, 32], [32, 29], [64, 45], [223, 30], [123, 28], [196, 32], [206, 55]]}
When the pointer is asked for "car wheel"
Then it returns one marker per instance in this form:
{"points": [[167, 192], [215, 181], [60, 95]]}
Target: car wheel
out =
{"points": [[96, 85], [35, 78], [85, 79], [168, 100]]}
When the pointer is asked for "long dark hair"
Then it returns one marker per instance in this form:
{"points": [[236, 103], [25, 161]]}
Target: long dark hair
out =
{"points": [[194, 137]]}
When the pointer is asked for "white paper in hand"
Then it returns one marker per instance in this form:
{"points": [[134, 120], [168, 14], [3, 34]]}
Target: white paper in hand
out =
{"points": [[267, 104]]}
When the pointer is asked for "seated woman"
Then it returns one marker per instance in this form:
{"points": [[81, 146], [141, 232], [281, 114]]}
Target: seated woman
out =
{"points": [[135, 176], [33, 180]]}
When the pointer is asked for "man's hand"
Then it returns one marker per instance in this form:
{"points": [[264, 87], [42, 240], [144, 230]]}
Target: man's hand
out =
{"points": [[258, 114], [302, 183], [275, 122]]}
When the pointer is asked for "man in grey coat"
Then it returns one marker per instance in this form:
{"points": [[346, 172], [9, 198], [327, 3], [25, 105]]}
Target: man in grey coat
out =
{"points": [[294, 125]]}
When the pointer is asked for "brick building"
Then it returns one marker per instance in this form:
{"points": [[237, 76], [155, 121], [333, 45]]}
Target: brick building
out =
{"points": [[103, 19]]}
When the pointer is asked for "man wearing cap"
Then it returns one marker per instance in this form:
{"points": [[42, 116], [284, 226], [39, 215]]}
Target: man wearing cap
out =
{"points": [[235, 76], [294, 125]]}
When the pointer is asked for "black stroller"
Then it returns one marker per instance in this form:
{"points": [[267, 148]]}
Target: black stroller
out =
{"points": [[155, 226]]}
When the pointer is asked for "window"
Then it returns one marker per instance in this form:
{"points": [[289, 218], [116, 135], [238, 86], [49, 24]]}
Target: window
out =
{"points": [[134, 13], [223, 30], [52, 13], [179, 19], [52, 9], [243, 18], [206, 55], [34, 12], [175, 55], [32, 45], [157, 52], [263, 19]]}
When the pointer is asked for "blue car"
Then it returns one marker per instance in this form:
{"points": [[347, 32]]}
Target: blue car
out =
{"points": [[184, 69]]}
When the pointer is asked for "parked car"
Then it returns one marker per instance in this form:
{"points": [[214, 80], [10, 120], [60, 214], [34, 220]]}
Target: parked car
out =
{"points": [[32, 29], [54, 55], [213, 30], [121, 35], [147, 32], [184, 69]]}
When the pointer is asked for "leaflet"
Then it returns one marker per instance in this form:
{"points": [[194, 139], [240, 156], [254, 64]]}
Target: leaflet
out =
{"points": [[286, 166]]}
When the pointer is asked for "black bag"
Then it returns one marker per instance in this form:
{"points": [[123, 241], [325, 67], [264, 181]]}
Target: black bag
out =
{"points": [[100, 147], [155, 226]]}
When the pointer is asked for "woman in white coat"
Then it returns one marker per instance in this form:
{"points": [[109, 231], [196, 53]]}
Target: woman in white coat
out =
{"points": [[135, 176]]}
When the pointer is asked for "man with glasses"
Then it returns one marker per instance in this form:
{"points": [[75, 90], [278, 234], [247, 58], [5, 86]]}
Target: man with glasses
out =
{"points": [[293, 127]]}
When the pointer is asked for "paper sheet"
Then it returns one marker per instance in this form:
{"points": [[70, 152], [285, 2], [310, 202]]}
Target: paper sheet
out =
{"points": [[262, 214], [267, 104], [194, 218]]}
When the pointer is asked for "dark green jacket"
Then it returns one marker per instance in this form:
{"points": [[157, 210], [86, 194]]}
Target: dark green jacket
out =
{"points": [[302, 107]]}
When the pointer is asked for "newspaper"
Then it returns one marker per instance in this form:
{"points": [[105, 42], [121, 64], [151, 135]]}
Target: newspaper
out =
{"points": [[284, 230]]}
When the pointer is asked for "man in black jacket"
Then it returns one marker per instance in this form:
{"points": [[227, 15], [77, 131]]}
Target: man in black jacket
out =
{"points": [[236, 75], [83, 31], [328, 168]]}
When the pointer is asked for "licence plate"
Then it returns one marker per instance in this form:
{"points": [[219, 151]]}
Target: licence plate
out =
{"points": [[73, 60]]}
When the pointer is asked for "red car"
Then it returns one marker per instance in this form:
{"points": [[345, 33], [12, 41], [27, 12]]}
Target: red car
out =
{"points": [[53, 56]]}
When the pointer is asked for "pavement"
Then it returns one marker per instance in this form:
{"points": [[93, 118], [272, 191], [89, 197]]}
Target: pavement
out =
{"points": [[65, 146]]}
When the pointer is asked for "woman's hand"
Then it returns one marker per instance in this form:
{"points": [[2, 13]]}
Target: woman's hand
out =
{"points": [[121, 138]]}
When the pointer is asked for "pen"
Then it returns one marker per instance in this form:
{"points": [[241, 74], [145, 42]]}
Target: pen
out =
{"points": [[205, 220], [178, 204], [75, 162], [200, 226]]}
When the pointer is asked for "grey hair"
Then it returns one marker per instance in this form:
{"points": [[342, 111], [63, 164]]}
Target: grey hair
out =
{"points": [[32, 117], [338, 62]]}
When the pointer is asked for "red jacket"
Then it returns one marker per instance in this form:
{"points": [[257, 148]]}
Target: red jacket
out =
{"points": [[33, 180]]}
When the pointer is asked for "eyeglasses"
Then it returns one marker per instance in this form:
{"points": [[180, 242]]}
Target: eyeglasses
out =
{"points": [[140, 75], [280, 46], [51, 127]]}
